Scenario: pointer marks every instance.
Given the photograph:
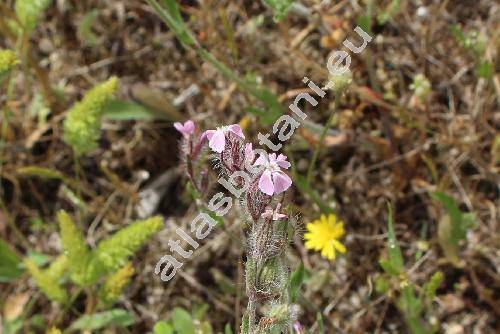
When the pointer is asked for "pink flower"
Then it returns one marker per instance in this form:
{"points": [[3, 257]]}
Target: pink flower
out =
{"points": [[273, 180], [186, 129], [274, 214], [298, 327], [217, 138]]}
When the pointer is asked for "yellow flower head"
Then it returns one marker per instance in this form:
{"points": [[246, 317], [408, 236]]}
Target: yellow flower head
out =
{"points": [[323, 235], [8, 60]]}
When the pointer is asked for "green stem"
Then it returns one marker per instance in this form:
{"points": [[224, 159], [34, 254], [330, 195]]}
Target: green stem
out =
{"points": [[78, 184], [252, 310], [322, 138]]}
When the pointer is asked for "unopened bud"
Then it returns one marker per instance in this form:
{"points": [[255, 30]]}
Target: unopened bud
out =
{"points": [[339, 83], [280, 313], [421, 87]]}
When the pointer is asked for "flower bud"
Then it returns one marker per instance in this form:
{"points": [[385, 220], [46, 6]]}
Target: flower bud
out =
{"points": [[8, 60], [339, 83], [421, 87], [280, 313]]}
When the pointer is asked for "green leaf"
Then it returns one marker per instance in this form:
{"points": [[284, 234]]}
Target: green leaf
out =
{"points": [[458, 33], [431, 286], [364, 22], [44, 173], [273, 106], [9, 263], [200, 310], [114, 317], [170, 14], [245, 323], [113, 253], [411, 307], [460, 221], [120, 110], [395, 256], [296, 280], [47, 284], [173, 9], [75, 248], [163, 327], [12, 327], [39, 259], [484, 69], [389, 267], [183, 323], [85, 28], [265, 119], [227, 329], [279, 7], [319, 322], [389, 12], [382, 285], [452, 226], [38, 109], [29, 11]]}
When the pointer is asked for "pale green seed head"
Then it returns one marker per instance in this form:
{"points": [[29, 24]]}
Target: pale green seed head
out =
{"points": [[83, 123], [339, 83], [421, 87], [8, 60]]}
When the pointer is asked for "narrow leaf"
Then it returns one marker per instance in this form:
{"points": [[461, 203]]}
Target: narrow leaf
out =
{"points": [[296, 280], [395, 256], [114, 317], [9, 263], [120, 110]]}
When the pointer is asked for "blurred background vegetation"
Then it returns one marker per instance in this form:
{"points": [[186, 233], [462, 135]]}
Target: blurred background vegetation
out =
{"points": [[90, 192]]}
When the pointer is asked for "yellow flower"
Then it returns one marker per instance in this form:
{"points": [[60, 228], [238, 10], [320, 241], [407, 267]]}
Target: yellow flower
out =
{"points": [[54, 330], [322, 236]]}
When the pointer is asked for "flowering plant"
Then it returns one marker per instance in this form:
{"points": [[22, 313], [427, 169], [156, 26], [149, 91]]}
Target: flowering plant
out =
{"points": [[258, 180]]}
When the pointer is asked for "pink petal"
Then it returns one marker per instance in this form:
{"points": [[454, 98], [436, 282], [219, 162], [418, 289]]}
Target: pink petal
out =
{"points": [[178, 126], [235, 128], [266, 183], [281, 215], [281, 182], [249, 153], [209, 134], [189, 127], [281, 161], [261, 161], [218, 141]]}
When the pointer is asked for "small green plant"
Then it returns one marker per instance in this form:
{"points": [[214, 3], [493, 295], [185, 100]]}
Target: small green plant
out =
{"points": [[83, 123], [413, 302], [183, 322], [382, 14], [389, 11], [452, 227], [279, 7], [85, 29], [8, 60], [29, 12], [86, 267], [473, 42], [421, 87]]}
